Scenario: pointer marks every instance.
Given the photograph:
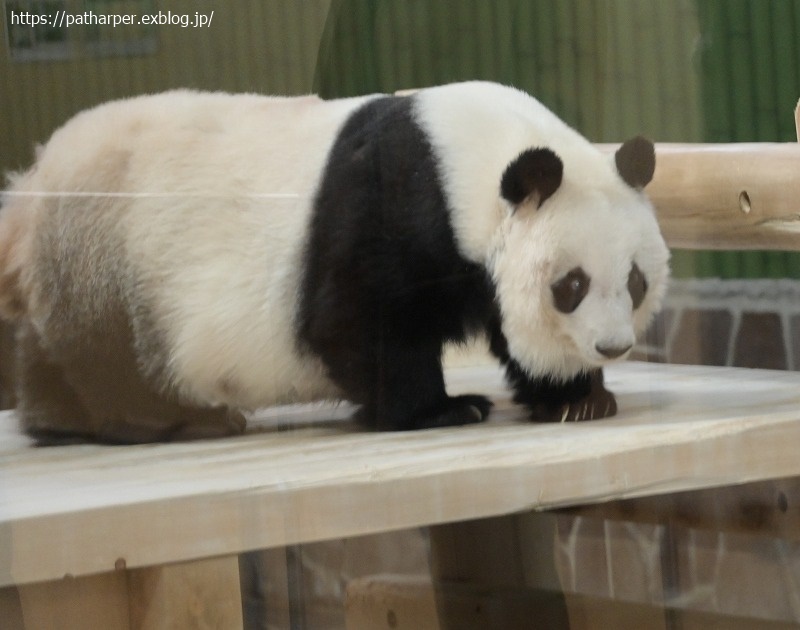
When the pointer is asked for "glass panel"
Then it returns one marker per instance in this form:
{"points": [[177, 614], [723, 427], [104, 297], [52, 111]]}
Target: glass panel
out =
{"points": [[681, 71]]}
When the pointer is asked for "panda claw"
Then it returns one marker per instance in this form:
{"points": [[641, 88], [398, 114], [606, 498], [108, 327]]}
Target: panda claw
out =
{"points": [[476, 412]]}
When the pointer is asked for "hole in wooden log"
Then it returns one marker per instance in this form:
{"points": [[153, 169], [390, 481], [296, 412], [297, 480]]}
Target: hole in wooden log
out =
{"points": [[783, 502], [744, 202]]}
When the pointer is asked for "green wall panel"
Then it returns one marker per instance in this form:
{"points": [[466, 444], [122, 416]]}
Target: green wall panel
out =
{"points": [[675, 70]]}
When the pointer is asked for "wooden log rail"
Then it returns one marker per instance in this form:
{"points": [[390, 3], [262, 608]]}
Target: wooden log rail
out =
{"points": [[728, 196]]}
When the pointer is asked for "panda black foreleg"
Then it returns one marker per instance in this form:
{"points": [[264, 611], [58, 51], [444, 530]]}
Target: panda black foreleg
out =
{"points": [[409, 392], [583, 397]]}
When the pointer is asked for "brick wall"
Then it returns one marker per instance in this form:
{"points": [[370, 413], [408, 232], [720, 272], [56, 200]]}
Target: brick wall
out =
{"points": [[742, 323]]}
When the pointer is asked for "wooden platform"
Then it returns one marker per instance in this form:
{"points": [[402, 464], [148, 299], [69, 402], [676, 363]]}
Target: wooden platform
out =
{"points": [[147, 537], [305, 474]]}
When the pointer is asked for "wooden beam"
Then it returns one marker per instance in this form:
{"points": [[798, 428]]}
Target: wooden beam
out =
{"points": [[767, 508], [400, 602], [727, 196]]}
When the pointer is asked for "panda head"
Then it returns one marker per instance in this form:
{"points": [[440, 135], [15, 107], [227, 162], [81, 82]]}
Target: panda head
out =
{"points": [[579, 262]]}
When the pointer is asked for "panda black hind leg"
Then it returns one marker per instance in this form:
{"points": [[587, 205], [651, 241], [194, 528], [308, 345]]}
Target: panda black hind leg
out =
{"points": [[71, 393], [49, 409]]}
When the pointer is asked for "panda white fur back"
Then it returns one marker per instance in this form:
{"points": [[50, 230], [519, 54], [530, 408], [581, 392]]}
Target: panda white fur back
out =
{"points": [[190, 225], [258, 250]]}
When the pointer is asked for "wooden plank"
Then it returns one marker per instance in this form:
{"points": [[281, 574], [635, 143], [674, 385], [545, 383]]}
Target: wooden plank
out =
{"points": [[84, 509], [765, 508], [594, 613], [736, 196], [202, 595], [385, 601]]}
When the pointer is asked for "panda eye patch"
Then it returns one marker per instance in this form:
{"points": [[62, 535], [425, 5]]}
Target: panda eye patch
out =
{"points": [[569, 291], [637, 286]]}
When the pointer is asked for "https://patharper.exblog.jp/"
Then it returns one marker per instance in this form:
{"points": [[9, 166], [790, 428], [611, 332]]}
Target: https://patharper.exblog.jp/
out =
{"points": [[67, 19]]}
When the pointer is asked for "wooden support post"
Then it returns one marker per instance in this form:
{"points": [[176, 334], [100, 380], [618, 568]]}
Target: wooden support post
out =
{"points": [[497, 573], [203, 595], [95, 601], [266, 601]]}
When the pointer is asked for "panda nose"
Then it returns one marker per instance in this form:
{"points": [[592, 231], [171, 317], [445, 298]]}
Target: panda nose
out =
{"points": [[612, 352]]}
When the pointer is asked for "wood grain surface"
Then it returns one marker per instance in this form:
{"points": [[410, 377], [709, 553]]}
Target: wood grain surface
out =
{"points": [[306, 474]]}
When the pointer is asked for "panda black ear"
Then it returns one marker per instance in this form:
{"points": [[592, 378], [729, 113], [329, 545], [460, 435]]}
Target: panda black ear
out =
{"points": [[636, 162], [535, 174]]}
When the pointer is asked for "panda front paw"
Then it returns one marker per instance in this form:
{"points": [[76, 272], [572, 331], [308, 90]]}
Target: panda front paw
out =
{"points": [[600, 403]]}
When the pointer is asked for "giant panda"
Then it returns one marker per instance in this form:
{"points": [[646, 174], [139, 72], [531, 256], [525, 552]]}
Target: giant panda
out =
{"points": [[173, 260]]}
